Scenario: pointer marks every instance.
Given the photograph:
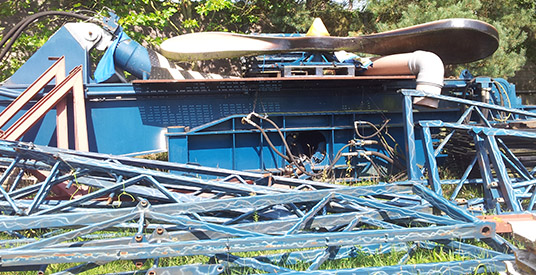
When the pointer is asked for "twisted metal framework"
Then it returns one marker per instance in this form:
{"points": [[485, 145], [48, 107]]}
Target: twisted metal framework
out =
{"points": [[507, 183], [90, 209]]}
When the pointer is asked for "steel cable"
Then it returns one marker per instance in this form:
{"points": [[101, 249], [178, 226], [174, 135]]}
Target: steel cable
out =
{"points": [[16, 31]]}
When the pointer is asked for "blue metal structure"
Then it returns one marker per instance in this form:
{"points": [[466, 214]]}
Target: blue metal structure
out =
{"points": [[187, 212], [319, 119], [505, 181], [156, 108], [319, 123], [303, 64], [87, 209], [75, 41]]}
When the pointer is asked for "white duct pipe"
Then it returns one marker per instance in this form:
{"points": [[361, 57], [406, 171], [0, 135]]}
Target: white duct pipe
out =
{"points": [[427, 66]]}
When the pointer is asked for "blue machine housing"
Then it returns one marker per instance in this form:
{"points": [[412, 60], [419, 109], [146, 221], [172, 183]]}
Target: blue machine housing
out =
{"points": [[199, 121]]}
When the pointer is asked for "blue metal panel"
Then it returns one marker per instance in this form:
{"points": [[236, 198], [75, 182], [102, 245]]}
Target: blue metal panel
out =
{"points": [[117, 127], [247, 153], [60, 44], [213, 150]]}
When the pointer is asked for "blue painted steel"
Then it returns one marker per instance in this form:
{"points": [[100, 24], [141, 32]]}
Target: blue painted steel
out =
{"points": [[247, 143], [514, 161], [304, 63], [502, 174], [59, 44], [133, 57], [215, 137], [6, 196], [499, 188], [463, 179], [44, 189], [209, 113], [519, 112], [207, 110], [487, 149], [185, 248], [433, 172], [306, 218], [217, 218], [197, 210]]}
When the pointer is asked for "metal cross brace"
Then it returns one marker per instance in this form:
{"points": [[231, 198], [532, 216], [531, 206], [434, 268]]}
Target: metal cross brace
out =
{"points": [[491, 151], [178, 215], [505, 189]]}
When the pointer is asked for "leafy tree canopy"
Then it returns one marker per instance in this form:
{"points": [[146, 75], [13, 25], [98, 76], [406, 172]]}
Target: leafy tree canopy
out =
{"points": [[151, 21]]}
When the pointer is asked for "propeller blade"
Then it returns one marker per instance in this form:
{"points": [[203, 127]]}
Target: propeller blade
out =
{"points": [[455, 41]]}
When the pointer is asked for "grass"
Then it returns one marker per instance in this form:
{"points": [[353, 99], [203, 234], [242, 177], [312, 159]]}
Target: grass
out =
{"points": [[468, 191]]}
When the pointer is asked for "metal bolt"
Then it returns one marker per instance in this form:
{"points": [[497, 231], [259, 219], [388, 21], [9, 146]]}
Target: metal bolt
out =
{"points": [[139, 264], [144, 203], [152, 272], [159, 230], [485, 230], [138, 237]]}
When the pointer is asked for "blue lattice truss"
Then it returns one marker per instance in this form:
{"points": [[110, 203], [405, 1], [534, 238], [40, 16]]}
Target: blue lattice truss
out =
{"points": [[506, 182], [139, 209]]}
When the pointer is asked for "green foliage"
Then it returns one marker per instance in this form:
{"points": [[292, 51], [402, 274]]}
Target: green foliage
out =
{"points": [[212, 6], [151, 21], [514, 19]]}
